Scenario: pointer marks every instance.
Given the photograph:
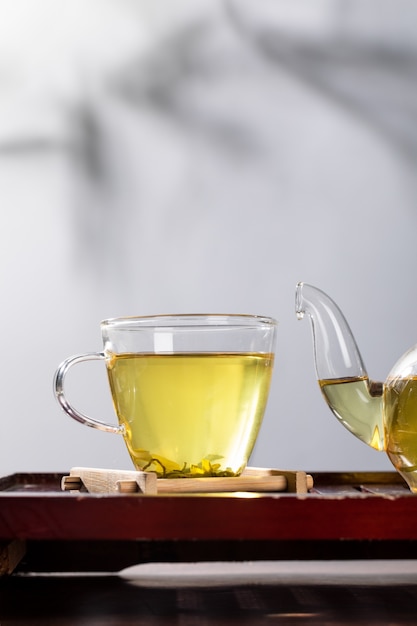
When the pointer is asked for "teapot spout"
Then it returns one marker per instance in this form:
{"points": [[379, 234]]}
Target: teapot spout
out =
{"points": [[356, 401]]}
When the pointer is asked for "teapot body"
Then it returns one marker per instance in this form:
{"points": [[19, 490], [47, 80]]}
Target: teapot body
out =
{"points": [[400, 417]]}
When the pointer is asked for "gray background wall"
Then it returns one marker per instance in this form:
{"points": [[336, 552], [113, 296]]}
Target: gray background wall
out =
{"points": [[202, 156]]}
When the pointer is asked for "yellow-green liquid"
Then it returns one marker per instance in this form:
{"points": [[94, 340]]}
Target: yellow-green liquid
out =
{"points": [[358, 410], [400, 397], [190, 415]]}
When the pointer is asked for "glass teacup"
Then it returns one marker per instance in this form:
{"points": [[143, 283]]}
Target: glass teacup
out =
{"points": [[189, 391]]}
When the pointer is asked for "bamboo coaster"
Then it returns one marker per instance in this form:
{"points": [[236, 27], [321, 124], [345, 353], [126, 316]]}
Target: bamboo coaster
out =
{"points": [[96, 480]]}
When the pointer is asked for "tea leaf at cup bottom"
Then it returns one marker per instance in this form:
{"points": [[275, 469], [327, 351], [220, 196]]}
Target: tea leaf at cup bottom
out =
{"points": [[166, 468]]}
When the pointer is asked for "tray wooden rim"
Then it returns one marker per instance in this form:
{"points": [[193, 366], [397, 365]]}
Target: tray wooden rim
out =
{"points": [[320, 515]]}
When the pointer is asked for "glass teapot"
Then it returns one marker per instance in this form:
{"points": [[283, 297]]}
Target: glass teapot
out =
{"points": [[383, 415]]}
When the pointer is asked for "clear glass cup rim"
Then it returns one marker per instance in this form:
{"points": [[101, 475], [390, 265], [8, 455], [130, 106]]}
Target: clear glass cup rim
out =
{"points": [[190, 320]]}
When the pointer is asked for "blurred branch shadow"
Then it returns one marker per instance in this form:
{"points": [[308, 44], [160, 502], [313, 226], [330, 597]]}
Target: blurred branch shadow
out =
{"points": [[375, 81]]}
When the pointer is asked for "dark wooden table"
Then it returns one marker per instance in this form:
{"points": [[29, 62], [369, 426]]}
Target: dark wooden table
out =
{"points": [[105, 601]]}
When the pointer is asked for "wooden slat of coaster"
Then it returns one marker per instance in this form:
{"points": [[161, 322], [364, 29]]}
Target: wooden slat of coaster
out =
{"points": [[96, 480], [222, 484], [297, 481]]}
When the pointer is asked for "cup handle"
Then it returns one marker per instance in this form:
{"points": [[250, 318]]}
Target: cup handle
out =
{"points": [[67, 407]]}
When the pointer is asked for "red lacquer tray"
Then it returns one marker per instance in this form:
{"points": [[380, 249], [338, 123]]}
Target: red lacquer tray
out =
{"points": [[344, 515]]}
